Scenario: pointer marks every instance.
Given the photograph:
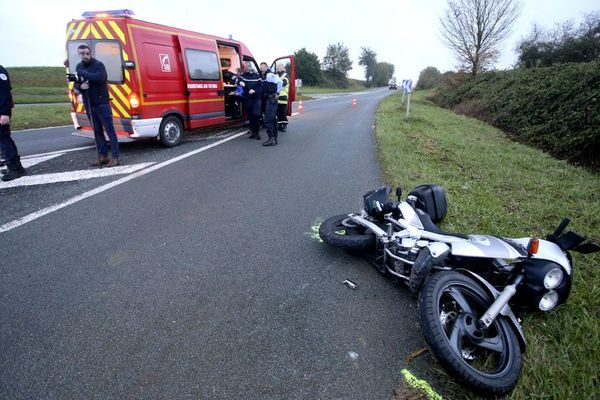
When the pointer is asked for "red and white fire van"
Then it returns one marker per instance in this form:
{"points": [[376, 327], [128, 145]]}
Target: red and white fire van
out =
{"points": [[162, 80]]}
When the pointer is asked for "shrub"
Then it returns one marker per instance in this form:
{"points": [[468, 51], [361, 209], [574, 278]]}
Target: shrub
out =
{"points": [[555, 108]]}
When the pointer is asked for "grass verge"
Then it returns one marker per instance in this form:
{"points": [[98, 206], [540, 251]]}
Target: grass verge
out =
{"points": [[303, 97], [500, 187], [41, 116], [321, 90], [38, 84]]}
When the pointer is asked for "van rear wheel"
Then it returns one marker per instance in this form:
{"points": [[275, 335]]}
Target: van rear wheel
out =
{"points": [[171, 131]]}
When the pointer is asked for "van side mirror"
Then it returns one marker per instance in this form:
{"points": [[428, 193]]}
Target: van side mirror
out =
{"points": [[399, 193]]}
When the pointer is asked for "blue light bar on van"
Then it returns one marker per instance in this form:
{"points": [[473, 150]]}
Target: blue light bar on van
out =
{"points": [[108, 13]]}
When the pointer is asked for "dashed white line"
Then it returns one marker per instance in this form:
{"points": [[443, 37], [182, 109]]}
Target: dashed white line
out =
{"points": [[59, 152], [44, 179], [31, 161]]}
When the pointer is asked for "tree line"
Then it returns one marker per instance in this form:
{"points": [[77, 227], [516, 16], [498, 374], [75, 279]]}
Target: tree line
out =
{"points": [[567, 42], [333, 69]]}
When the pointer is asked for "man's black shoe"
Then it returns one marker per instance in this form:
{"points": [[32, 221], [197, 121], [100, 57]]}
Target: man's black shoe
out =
{"points": [[12, 174], [19, 169]]}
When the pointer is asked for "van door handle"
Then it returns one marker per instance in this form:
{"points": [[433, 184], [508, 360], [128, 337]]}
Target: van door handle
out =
{"points": [[220, 93]]}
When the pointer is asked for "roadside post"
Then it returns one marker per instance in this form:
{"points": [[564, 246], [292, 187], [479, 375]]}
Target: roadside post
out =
{"points": [[403, 92], [407, 88]]}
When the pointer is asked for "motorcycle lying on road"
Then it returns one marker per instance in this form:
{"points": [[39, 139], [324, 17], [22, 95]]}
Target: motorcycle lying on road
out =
{"points": [[469, 286]]}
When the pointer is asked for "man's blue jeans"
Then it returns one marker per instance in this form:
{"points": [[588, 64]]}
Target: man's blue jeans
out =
{"points": [[102, 121]]}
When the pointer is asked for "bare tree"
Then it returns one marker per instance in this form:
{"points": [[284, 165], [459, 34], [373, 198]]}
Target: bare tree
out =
{"points": [[474, 30]]}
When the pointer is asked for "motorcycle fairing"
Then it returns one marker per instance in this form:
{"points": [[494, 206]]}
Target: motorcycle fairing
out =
{"points": [[485, 247], [548, 251]]}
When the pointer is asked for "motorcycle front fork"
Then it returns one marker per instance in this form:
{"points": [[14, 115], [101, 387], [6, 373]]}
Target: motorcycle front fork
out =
{"points": [[501, 301]]}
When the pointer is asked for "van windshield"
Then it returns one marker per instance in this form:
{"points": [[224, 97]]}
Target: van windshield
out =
{"points": [[107, 51]]}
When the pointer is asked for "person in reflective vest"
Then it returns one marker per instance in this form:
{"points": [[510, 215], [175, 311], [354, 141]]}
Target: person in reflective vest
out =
{"points": [[282, 106]]}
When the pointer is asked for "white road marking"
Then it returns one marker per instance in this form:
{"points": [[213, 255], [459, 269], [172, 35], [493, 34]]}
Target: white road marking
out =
{"points": [[37, 129], [44, 179], [45, 211], [59, 152], [31, 161]]}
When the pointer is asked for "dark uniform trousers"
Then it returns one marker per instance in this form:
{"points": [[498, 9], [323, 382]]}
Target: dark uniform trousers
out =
{"points": [[253, 109], [8, 148], [271, 116]]}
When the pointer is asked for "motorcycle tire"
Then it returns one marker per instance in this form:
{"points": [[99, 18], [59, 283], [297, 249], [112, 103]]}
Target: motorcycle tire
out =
{"points": [[486, 361], [335, 232]]}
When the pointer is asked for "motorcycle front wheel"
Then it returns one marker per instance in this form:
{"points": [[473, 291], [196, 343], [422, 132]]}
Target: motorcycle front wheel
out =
{"points": [[485, 360], [340, 231]]}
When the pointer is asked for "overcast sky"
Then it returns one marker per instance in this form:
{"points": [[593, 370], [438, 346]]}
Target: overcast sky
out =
{"points": [[403, 32]]}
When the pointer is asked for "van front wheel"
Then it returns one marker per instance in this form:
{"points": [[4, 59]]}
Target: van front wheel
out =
{"points": [[171, 131]]}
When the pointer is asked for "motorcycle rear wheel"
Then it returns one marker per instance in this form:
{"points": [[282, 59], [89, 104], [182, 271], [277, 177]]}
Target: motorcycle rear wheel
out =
{"points": [[339, 231], [485, 360]]}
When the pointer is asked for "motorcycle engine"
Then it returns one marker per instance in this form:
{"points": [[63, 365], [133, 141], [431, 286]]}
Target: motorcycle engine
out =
{"points": [[404, 258]]}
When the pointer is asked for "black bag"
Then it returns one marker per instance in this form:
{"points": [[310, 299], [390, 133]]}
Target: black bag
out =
{"points": [[432, 200]]}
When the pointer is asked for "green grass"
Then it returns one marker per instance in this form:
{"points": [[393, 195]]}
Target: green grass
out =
{"points": [[28, 117], [38, 85], [496, 186], [322, 90]]}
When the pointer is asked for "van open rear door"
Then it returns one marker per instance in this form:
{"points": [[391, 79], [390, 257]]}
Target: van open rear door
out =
{"points": [[290, 67], [204, 86]]}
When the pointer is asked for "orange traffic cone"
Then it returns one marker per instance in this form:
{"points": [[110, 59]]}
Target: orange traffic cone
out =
{"points": [[300, 107], [354, 103]]}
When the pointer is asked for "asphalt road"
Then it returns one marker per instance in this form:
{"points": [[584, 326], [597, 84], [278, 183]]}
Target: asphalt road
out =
{"points": [[37, 141], [200, 279]]}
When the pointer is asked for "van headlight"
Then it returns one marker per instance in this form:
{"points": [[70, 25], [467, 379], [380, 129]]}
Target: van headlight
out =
{"points": [[553, 278], [548, 301]]}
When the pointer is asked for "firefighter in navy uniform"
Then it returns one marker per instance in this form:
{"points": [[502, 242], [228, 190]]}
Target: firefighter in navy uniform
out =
{"points": [[7, 145], [282, 107], [250, 82], [272, 85]]}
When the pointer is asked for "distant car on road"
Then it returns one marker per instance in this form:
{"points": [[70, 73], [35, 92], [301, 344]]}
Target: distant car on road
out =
{"points": [[393, 86]]}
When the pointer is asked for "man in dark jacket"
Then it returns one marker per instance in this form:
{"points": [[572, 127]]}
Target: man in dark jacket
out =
{"points": [[7, 145], [91, 81], [250, 81]]}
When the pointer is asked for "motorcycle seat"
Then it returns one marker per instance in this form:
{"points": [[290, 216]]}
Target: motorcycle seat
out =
{"points": [[431, 227]]}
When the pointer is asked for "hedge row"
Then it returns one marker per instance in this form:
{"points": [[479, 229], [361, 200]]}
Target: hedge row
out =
{"points": [[555, 108]]}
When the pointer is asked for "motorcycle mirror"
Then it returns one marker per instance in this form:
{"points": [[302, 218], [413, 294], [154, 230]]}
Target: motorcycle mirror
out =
{"points": [[399, 193]]}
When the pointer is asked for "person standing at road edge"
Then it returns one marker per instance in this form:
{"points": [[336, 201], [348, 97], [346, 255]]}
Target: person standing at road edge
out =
{"points": [[92, 81], [8, 148]]}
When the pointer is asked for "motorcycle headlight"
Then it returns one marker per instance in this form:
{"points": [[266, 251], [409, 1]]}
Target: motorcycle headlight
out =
{"points": [[548, 301], [553, 278]]}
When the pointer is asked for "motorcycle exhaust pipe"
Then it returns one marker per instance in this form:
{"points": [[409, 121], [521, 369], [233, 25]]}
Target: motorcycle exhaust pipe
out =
{"points": [[502, 300]]}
